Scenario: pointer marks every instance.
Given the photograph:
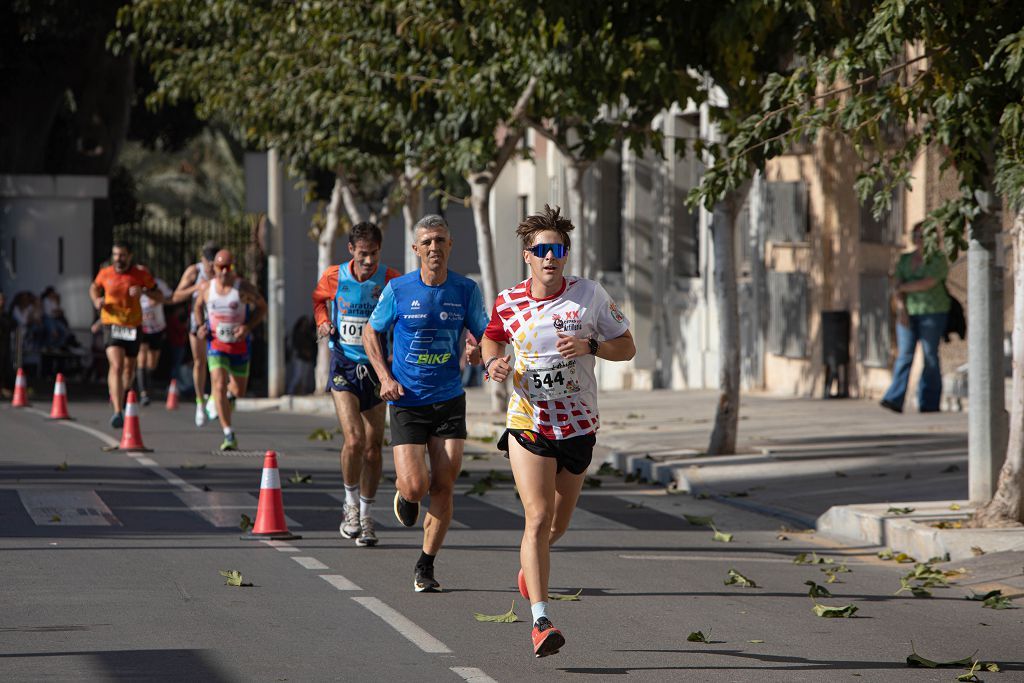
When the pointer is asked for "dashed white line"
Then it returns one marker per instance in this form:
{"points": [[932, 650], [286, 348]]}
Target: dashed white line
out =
{"points": [[340, 582], [282, 546], [105, 438], [310, 562], [416, 635], [148, 462], [472, 674]]}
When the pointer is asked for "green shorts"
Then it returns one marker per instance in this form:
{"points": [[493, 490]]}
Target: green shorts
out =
{"points": [[237, 365]]}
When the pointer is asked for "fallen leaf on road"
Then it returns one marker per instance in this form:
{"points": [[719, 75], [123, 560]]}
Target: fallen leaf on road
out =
{"points": [[999, 602], [954, 506], [755, 641], [782, 537], [508, 617], [951, 469], [63, 467], [917, 591], [828, 612], [189, 466], [55, 518], [841, 475], [571, 597], [969, 676], [234, 578], [903, 558], [721, 536], [699, 637], [301, 478], [993, 667], [245, 523], [320, 435], [804, 558], [981, 597], [899, 511], [977, 551], [698, 520], [817, 591], [886, 555], [735, 578]]}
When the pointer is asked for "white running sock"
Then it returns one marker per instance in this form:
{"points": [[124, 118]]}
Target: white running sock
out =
{"points": [[227, 432], [540, 609], [365, 507], [351, 495]]}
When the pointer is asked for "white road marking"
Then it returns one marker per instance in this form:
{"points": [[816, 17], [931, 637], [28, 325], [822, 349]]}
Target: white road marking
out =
{"points": [[310, 562], [384, 517], [416, 635], [340, 582], [222, 509], [582, 520], [281, 546], [472, 674], [105, 438], [67, 508], [148, 462]]}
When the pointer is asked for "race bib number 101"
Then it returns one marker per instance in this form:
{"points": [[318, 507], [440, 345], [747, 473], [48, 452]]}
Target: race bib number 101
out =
{"points": [[350, 329], [545, 384]]}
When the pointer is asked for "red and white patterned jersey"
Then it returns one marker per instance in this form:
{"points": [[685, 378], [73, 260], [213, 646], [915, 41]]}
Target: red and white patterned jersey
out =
{"points": [[554, 396]]}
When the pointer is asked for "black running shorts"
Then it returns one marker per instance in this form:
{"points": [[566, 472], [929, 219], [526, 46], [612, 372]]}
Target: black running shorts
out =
{"points": [[573, 454], [113, 335], [416, 424]]}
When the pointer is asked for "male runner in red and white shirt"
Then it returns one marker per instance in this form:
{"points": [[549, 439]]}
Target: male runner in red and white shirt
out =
{"points": [[557, 326]]}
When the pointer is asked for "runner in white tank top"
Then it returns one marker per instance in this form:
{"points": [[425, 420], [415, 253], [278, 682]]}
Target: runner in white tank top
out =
{"points": [[191, 283]]}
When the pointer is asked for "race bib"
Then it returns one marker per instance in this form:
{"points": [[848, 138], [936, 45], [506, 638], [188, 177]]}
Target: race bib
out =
{"points": [[121, 333], [227, 332], [350, 329], [545, 384]]}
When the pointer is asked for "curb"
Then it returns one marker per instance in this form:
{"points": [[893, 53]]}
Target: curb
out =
{"points": [[913, 533]]}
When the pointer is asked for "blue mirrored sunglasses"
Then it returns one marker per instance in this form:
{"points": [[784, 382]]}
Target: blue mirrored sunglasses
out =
{"points": [[541, 250]]}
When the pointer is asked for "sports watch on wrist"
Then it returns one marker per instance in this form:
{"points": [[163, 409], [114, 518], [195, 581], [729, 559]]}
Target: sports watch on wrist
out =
{"points": [[594, 344]]}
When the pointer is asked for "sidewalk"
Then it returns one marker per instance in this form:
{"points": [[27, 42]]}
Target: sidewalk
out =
{"points": [[836, 465]]}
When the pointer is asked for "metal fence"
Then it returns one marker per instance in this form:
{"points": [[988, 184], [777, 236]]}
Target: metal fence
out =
{"points": [[168, 246]]}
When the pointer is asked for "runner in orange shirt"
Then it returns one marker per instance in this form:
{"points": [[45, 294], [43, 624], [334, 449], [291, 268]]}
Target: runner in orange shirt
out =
{"points": [[116, 294]]}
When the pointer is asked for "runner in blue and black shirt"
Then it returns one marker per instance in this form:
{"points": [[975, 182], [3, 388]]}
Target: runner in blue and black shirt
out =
{"points": [[428, 309]]}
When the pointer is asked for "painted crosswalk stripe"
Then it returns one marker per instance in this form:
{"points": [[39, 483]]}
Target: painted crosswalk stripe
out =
{"points": [[416, 635], [340, 582], [223, 509], [384, 517], [582, 520], [310, 562], [67, 508]]}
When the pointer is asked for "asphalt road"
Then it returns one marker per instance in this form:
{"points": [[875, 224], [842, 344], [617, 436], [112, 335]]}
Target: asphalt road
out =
{"points": [[110, 572]]}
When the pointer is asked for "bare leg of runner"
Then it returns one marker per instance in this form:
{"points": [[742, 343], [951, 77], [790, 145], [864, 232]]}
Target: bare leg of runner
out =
{"points": [[445, 465]]}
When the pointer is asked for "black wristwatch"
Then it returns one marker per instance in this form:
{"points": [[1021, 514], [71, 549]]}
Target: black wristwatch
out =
{"points": [[594, 344]]}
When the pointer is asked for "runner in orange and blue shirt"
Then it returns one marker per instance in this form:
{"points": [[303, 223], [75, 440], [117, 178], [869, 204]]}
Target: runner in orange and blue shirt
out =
{"points": [[343, 300], [116, 293], [557, 326]]}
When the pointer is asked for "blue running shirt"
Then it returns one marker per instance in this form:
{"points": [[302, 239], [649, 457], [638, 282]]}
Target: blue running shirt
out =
{"points": [[351, 307], [428, 323]]}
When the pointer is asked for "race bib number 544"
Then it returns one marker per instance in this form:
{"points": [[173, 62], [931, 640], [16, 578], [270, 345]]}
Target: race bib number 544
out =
{"points": [[545, 384]]}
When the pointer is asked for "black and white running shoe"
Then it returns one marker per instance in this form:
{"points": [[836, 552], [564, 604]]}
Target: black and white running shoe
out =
{"points": [[406, 511], [425, 581]]}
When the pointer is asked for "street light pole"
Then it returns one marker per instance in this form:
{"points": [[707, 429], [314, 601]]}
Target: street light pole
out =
{"points": [[275, 276]]}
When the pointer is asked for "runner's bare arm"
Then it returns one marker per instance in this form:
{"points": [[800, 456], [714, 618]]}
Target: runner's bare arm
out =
{"points": [[620, 348], [496, 361], [251, 295], [96, 296], [186, 286], [390, 389], [199, 313]]}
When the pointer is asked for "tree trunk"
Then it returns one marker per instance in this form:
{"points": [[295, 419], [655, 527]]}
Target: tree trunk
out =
{"points": [[583, 256], [480, 188], [324, 249], [412, 208], [1007, 505], [727, 413]]}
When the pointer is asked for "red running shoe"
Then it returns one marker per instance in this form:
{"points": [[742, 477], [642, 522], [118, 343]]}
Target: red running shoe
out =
{"points": [[523, 590], [547, 640]]}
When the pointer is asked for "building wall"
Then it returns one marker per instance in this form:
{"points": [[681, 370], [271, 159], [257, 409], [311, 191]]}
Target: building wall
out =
{"points": [[46, 226]]}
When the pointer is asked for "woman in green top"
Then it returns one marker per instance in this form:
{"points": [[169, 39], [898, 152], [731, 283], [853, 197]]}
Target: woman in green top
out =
{"points": [[922, 305]]}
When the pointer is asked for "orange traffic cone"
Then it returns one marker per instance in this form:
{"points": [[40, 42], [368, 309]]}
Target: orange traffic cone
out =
{"points": [[20, 399], [59, 410], [131, 435], [270, 522], [172, 395]]}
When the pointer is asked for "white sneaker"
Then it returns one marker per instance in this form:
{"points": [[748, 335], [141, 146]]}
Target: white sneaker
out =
{"points": [[367, 537], [350, 523], [200, 415], [211, 409]]}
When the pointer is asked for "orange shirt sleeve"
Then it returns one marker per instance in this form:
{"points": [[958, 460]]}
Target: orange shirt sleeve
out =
{"points": [[101, 277], [323, 293], [390, 274], [146, 278]]}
